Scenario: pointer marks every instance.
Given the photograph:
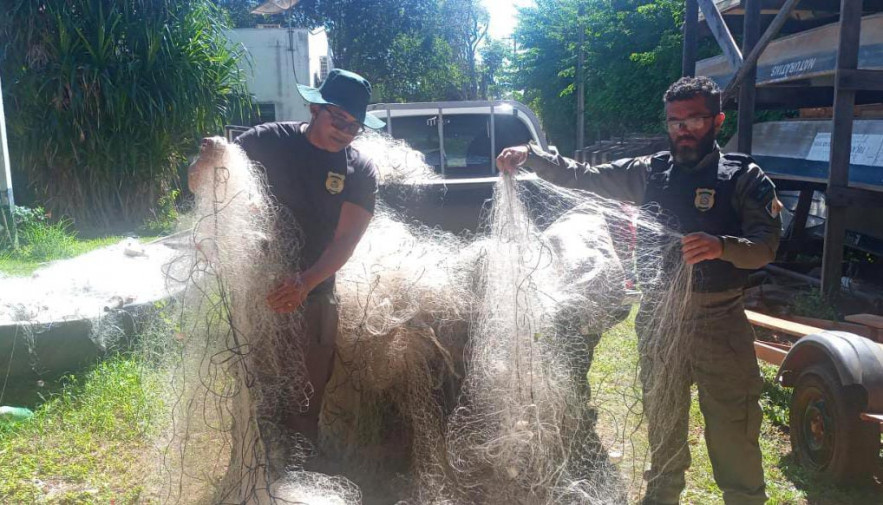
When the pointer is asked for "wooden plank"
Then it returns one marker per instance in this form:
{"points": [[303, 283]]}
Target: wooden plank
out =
{"points": [[860, 79], [841, 146], [801, 214], [691, 29], [858, 329], [769, 353], [748, 88], [872, 320], [721, 33], [853, 197], [776, 324], [723, 6], [874, 418], [750, 62]]}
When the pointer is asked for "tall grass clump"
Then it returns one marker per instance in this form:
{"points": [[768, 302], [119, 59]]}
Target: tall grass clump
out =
{"points": [[106, 98], [39, 237]]}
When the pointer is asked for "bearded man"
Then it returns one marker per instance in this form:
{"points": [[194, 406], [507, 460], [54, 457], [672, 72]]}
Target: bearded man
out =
{"points": [[728, 214]]}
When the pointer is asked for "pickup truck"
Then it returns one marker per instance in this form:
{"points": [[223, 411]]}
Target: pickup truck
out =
{"points": [[461, 141]]}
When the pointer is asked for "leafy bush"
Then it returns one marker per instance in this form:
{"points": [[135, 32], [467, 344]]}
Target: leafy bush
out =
{"points": [[813, 303], [39, 238], [164, 217], [47, 241], [13, 221], [106, 97]]}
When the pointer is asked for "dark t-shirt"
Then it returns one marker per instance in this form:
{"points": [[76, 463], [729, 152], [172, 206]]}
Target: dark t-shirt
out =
{"points": [[309, 183]]}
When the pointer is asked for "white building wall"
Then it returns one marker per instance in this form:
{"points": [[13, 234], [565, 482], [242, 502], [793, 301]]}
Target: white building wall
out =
{"points": [[319, 50], [276, 57]]}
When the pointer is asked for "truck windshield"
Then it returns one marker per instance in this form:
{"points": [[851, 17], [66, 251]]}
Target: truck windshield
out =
{"points": [[467, 140]]}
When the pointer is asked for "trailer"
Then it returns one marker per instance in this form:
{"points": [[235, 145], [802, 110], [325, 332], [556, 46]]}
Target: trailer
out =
{"points": [[836, 412]]}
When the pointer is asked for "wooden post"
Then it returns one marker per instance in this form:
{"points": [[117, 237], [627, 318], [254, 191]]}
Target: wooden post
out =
{"points": [[750, 34], [801, 214], [841, 144], [797, 233], [691, 28]]}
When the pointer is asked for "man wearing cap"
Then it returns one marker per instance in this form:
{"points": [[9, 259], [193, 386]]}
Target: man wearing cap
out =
{"points": [[328, 188]]}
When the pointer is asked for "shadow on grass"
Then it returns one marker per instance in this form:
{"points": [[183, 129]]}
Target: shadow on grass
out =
{"points": [[821, 492]]}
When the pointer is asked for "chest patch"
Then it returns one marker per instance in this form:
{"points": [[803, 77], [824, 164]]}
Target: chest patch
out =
{"points": [[704, 199], [334, 182]]}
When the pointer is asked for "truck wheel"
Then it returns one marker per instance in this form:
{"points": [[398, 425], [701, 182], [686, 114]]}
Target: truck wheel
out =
{"points": [[827, 435]]}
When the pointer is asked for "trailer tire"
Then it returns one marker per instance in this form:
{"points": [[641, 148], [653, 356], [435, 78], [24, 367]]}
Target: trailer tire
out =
{"points": [[827, 435]]}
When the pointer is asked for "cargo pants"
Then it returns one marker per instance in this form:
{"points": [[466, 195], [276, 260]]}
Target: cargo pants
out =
{"points": [[722, 363]]}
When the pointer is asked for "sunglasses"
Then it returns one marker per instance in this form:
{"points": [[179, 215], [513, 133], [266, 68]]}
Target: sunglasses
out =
{"points": [[690, 123], [340, 122]]}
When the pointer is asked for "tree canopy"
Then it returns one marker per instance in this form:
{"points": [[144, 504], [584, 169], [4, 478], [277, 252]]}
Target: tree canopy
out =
{"points": [[632, 53], [410, 50], [439, 50]]}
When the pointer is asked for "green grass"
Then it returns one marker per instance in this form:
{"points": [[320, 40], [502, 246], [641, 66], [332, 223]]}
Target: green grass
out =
{"points": [[87, 443], [91, 442], [615, 388]]}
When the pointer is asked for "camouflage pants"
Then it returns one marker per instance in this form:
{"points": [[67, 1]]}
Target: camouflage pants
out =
{"points": [[720, 360]]}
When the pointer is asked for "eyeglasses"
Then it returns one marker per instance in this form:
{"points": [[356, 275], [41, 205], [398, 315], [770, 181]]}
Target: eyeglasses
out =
{"points": [[690, 123], [340, 122]]}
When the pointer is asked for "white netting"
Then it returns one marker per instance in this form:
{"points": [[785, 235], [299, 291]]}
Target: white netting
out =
{"points": [[460, 374]]}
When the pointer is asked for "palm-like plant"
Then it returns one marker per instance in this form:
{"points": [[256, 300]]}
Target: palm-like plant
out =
{"points": [[106, 97]]}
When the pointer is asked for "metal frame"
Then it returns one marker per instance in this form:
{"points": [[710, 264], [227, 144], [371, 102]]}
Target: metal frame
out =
{"points": [[441, 141], [841, 144], [849, 80]]}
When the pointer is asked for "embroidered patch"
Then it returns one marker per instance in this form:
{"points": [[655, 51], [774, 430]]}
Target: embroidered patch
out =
{"points": [[334, 182], [763, 189], [774, 208], [704, 199]]}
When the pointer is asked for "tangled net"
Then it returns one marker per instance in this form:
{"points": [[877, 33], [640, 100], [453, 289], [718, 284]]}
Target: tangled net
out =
{"points": [[460, 374]]}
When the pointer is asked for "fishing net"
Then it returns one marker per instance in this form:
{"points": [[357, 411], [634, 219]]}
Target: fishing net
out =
{"points": [[460, 373], [460, 370]]}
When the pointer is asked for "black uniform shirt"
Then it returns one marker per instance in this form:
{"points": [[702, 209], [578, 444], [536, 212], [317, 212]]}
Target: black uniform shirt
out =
{"points": [[746, 215], [310, 183]]}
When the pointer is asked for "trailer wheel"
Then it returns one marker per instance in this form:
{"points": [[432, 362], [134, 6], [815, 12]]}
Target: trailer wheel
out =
{"points": [[827, 435]]}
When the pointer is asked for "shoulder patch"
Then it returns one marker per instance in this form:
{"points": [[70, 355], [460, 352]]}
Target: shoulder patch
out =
{"points": [[763, 190]]}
